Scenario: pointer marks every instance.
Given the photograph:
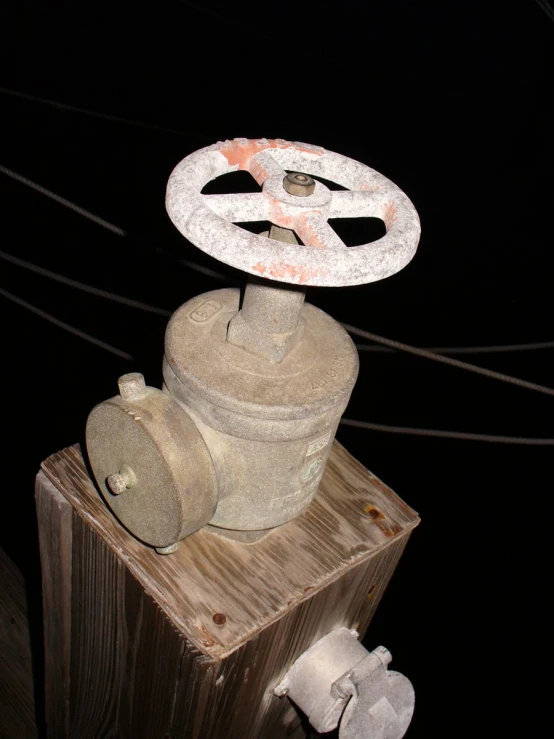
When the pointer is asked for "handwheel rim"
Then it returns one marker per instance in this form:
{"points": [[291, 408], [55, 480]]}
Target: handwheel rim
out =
{"points": [[321, 260]]}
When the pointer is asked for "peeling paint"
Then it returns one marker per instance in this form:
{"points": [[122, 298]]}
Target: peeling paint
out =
{"points": [[279, 216], [287, 272], [239, 152], [390, 215]]}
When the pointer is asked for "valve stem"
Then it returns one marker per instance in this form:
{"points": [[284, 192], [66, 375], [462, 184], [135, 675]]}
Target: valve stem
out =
{"points": [[269, 323]]}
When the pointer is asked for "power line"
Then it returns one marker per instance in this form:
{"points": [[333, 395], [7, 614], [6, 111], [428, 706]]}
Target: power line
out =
{"points": [[62, 201], [448, 360], [82, 286], [493, 349], [105, 224], [136, 304], [547, 8], [460, 435], [64, 326], [351, 329], [200, 268], [96, 114], [166, 313]]}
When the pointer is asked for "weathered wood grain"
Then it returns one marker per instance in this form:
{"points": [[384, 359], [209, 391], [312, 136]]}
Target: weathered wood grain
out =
{"points": [[131, 659], [247, 677], [351, 519], [55, 516], [146, 657], [17, 703]]}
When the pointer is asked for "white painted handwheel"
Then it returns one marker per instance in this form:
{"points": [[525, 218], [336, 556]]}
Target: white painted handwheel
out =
{"points": [[208, 221]]}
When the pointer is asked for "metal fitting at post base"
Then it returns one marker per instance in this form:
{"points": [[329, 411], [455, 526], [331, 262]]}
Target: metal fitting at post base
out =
{"points": [[338, 681]]}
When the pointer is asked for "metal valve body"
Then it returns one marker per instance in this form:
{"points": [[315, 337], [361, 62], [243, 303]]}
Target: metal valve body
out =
{"points": [[269, 426], [254, 387]]}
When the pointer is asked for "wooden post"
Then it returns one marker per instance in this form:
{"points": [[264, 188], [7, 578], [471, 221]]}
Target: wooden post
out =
{"points": [[191, 645], [17, 700]]}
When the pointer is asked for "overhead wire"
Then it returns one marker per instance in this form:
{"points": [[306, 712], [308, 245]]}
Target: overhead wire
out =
{"points": [[460, 435], [386, 344], [100, 222], [491, 349], [62, 279], [64, 326], [97, 114], [200, 268], [426, 354], [390, 343], [544, 5], [62, 201]]}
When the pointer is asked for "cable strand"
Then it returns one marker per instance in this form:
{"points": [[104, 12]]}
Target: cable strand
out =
{"points": [[491, 349], [444, 434], [97, 114], [62, 201], [62, 279], [64, 326], [449, 361]]}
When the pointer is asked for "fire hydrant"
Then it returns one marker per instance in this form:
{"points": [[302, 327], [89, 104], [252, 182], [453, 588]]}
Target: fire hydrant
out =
{"points": [[254, 384]]}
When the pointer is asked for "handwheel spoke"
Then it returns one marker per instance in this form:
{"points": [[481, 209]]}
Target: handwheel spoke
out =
{"points": [[357, 204], [314, 230], [264, 165], [239, 207]]}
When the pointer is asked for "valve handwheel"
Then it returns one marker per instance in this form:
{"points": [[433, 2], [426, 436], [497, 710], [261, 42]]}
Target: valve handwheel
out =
{"points": [[208, 221]]}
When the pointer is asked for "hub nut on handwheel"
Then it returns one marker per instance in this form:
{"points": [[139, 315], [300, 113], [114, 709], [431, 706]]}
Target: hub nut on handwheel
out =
{"points": [[254, 387], [298, 184]]}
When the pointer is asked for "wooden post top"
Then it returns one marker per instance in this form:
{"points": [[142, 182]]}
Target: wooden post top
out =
{"points": [[220, 592]]}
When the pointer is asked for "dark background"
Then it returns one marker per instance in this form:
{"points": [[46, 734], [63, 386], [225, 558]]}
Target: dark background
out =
{"points": [[450, 100]]}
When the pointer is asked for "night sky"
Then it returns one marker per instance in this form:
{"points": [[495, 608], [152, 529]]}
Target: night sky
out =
{"points": [[450, 100]]}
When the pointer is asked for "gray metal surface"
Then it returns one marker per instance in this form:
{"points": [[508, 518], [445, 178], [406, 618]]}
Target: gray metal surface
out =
{"points": [[269, 426], [153, 454], [337, 677], [269, 322], [207, 220]]}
